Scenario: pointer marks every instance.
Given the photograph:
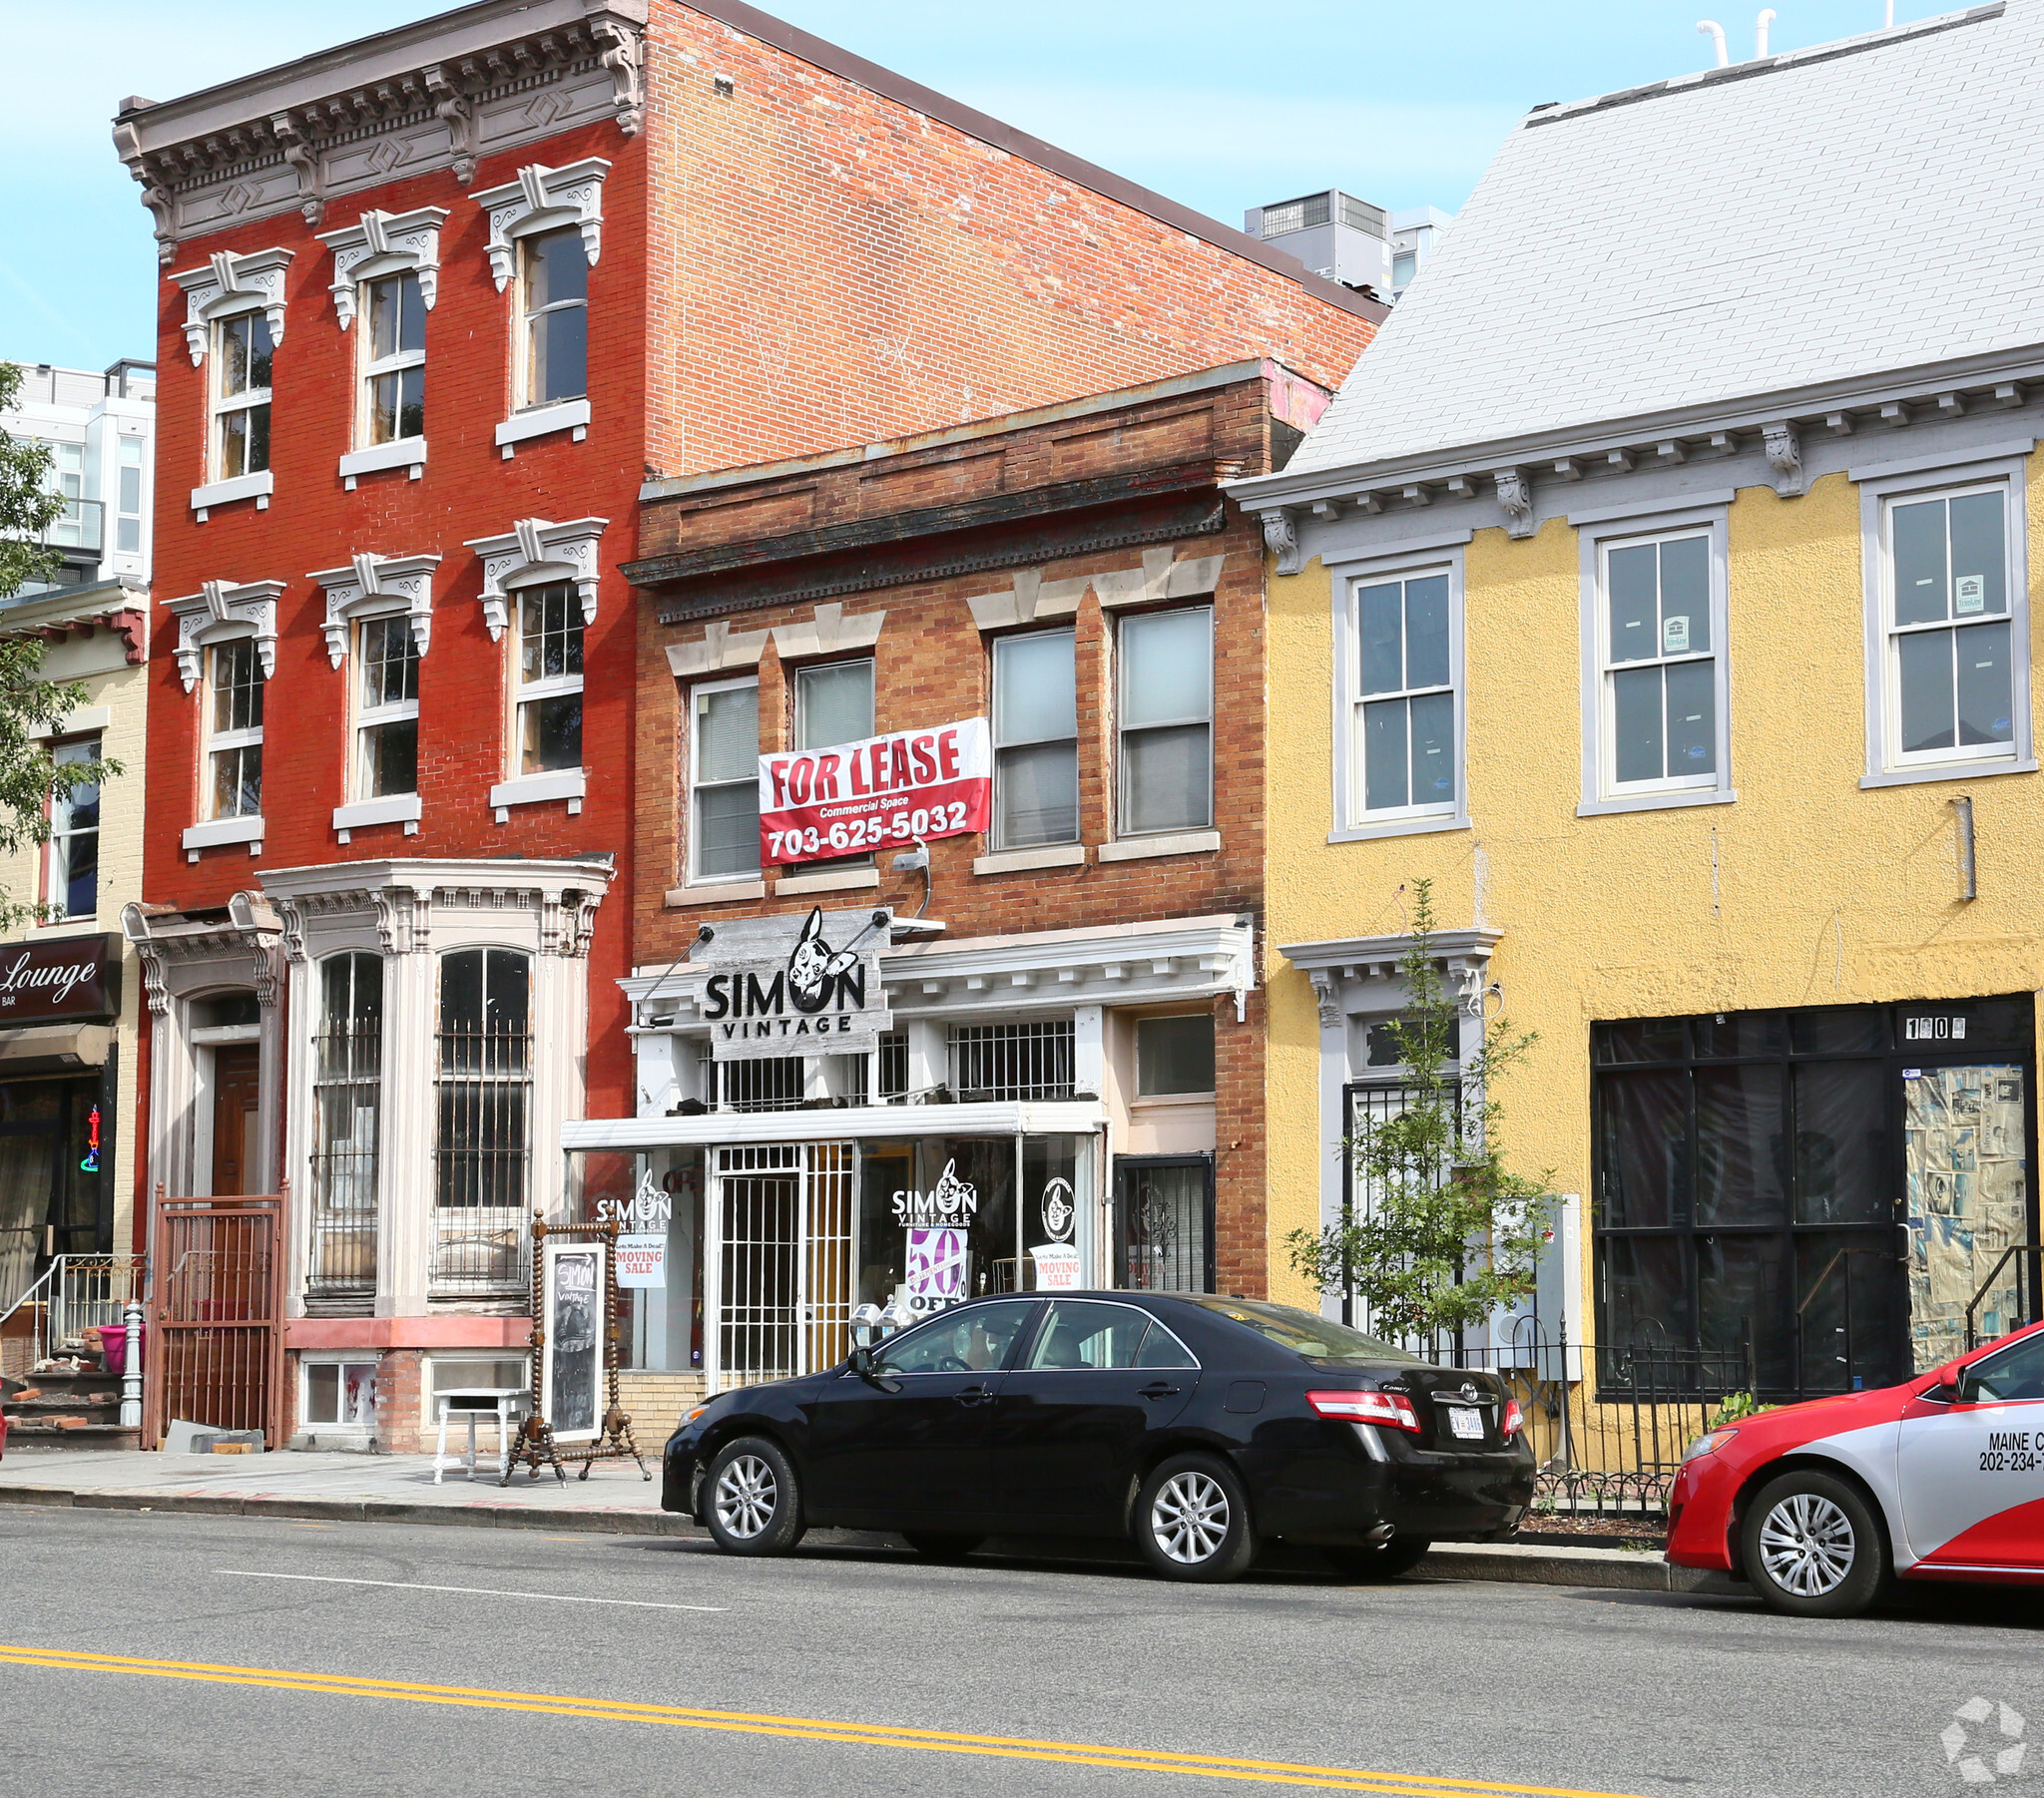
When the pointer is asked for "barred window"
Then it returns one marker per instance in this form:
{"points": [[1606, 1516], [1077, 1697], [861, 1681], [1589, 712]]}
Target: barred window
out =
{"points": [[773, 1084], [347, 1091], [1012, 1060], [894, 1063], [482, 1149]]}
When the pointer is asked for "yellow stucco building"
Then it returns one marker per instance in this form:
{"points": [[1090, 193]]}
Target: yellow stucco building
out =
{"points": [[1668, 612]]}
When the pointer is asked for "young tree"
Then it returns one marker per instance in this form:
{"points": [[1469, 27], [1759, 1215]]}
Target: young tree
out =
{"points": [[30, 706], [1445, 1235]]}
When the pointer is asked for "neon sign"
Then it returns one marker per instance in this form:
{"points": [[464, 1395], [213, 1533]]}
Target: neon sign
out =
{"points": [[91, 1164]]}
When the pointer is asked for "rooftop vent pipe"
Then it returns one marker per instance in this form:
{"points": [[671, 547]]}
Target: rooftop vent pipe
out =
{"points": [[1760, 33], [1716, 32]]}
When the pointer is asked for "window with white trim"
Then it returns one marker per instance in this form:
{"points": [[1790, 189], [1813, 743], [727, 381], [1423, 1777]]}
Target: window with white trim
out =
{"points": [[1947, 628], [1403, 731], [1658, 684], [386, 708], [128, 501], [234, 730], [834, 703], [548, 726], [1165, 769], [71, 888], [724, 779], [553, 292], [240, 363], [1036, 740], [393, 351]]}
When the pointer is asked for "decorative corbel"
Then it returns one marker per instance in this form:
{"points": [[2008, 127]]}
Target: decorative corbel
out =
{"points": [[534, 553], [385, 243], [220, 610], [622, 54], [1280, 538], [1515, 499], [300, 152], [1784, 457], [454, 109], [374, 585], [1326, 997], [540, 200], [230, 283], [154, 194]]}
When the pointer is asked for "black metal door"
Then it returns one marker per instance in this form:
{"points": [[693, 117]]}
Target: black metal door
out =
{"points": [[1164, 1223]]}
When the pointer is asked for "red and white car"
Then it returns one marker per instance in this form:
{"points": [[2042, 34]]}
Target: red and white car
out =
{"points": [[1818, 1504]]}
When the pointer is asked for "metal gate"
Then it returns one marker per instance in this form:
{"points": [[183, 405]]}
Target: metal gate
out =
{"points": [[779, 1261], [215, 1316]]}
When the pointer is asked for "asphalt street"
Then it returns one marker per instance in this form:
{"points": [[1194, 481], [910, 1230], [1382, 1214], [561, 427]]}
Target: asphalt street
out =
{"points": [[163, 1655]]}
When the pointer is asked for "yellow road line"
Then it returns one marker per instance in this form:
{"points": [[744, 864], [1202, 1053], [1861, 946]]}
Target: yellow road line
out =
{"points": [[872, 1735]]}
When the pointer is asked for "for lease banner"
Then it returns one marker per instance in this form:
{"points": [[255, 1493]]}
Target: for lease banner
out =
{"points": [[905, 787]]}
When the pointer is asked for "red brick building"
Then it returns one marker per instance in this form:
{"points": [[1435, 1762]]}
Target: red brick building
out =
{"points": [[1076, 1045], [434, 305]]}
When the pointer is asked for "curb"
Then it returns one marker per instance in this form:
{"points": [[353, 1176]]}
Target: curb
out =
{"points": [[1607, 1570]]}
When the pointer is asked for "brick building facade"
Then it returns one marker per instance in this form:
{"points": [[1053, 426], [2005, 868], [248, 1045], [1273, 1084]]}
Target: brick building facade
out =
{"points": [[434, 304], [1085, 1017]]}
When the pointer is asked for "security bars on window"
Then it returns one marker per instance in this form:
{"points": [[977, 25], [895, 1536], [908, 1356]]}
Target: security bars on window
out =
{"points": [[484, 1095], [1012, 1060], [347, 1096]]}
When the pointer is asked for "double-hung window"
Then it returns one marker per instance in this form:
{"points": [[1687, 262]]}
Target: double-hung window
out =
{"points": [[1949, 652], [1403, 731], [549, 699], [234, 746], [240, 363], [1036, 740], [393, 360], [723, 780], [386, 708], [834, 703], [1164, 771], [73, 882], [1656, 731], [127, 503], [554, 296]]}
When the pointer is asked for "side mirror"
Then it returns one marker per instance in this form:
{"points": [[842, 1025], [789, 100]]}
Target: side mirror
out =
{"points": [[865, 1362]]}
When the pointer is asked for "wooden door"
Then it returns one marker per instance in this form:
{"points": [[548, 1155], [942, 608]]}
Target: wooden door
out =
{"points": [[235, 1140]]}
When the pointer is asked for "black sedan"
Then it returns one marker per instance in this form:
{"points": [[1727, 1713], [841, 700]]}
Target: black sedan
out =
{"points": [[1197, 1425]]}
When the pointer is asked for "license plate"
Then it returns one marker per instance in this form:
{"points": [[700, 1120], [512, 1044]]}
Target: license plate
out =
{"points": [[1465, 1423]]}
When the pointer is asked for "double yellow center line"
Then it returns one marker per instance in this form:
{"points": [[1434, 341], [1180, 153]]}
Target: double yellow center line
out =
{"points": [[808, 1729]]}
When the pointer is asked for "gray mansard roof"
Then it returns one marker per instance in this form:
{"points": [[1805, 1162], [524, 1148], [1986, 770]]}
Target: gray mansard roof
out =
{"points": [[1856, 209]]}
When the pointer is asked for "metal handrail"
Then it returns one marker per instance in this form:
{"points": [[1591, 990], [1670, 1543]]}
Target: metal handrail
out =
{"points": [[2037, 1274], [68, 1303]]}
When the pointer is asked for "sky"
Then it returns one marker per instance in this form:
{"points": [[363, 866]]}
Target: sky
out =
{"points": [[1218, 104]]}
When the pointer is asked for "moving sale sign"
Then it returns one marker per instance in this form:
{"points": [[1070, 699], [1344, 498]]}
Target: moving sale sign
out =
{"points": [[907, 787]]}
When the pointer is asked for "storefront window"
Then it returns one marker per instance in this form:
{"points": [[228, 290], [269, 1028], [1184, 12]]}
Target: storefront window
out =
{"points": [[482, 1146], [348, 1088], [1754, 1171]]}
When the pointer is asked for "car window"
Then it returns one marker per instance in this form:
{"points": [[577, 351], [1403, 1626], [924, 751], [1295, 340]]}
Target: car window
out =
{"points": [[1079, 1335], [2016, 1373], [1162, 1349], [1315, 1338], [974, 1340]]}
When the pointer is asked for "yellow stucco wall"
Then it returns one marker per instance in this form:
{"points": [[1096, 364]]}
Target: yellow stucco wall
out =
{"points": [[1825, 893]]}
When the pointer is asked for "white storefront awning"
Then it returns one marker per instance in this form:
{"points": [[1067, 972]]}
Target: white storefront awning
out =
{"points": [[1024, 1117]]}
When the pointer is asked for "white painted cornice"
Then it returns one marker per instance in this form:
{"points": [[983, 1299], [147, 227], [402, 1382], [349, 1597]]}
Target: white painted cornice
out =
{"points": [[543, 199], [380, 243], [228, 284], [371, 586], [219, 611], [536, 553]]}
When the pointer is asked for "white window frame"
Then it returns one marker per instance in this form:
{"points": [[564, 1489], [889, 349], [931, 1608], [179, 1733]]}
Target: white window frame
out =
{"points": [[1597, 534], [218, 741], [218, 403], [1353, 823], [370, 367], [337, 1358], [526, 692], [1880, 487], [523, 397], [366, 718], [1122, 621], [696, 876], [62, 833], [129, 441], [996, 844]]}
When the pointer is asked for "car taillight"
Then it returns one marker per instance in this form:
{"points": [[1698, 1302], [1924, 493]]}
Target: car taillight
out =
{"points": [[1392, 1408], [1513, 1422]]}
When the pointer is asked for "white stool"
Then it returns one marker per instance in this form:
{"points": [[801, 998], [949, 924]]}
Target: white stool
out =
{"points": [[507, 1403]]}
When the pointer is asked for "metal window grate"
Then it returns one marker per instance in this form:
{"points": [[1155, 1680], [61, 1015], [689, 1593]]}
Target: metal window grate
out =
{"points": [[775, 1084], [894, 1064], [348, 1084], [1012, 1060], [483, 1146]]}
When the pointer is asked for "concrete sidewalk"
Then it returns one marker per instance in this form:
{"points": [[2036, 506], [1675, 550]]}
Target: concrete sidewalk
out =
{"points": [[613, 1499]]}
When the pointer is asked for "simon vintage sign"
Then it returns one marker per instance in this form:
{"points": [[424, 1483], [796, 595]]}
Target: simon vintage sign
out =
{"points": [[796, 986]]}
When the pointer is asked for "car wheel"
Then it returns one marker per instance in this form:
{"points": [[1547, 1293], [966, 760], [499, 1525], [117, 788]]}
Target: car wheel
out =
{"points": [[1193, 1520], [933, 1544], [1811, 1547], [754, 1504], [1379, 1561]]}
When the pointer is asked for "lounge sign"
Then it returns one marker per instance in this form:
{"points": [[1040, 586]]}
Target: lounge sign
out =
{"points": [[55, 982], [907, 787], [797, 985]]}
